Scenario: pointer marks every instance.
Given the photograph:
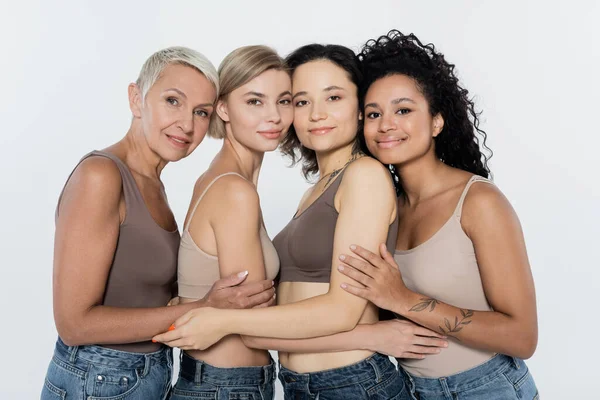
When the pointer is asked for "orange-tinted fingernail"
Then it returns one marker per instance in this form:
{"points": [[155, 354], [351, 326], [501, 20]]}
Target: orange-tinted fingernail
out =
{"points": [[172, 327], [154, 341]]}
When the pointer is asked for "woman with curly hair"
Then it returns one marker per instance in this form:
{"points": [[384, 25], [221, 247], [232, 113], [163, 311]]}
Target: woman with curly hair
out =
{"points": [[460, 266]]}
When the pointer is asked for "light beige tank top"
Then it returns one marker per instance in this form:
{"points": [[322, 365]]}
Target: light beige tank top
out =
{"points": [[445, 268], [198, 270]]}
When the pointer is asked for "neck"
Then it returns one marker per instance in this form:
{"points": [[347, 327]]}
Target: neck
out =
{"points": [[421, 178], [248, 161], [332, 160], [138, 156]]}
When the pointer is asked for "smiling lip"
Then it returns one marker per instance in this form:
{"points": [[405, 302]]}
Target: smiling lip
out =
{"points": [[271, 134], [321, 130], [180, 142], [389, 142]]}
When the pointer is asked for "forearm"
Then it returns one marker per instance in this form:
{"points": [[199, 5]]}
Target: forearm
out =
{"points": [[487, 330], [115, 325], [345, 341], [317, 316]]}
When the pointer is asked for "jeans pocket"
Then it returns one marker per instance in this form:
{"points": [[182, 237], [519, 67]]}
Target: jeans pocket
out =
{"points": [[51, 392], [391, 388], [112, 383], [522, 381]]}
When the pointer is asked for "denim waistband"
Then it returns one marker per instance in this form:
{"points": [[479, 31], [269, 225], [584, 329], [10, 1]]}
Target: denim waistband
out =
{"points": [[198, 372], [465, 380], [98, 355], [370, 369]]}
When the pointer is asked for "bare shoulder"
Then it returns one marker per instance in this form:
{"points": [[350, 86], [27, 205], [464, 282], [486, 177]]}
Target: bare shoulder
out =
{"points": [[367, 172], [97, 178], [485, 203], [235, 194]]}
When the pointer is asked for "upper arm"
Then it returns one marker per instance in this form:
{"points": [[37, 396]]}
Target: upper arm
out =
{"points": [[491, 223], [367, 203], [85, 240], [236, 224]]}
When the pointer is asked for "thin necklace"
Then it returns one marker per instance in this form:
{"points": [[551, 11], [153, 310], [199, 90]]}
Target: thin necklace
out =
{"points": [[337, 171]]}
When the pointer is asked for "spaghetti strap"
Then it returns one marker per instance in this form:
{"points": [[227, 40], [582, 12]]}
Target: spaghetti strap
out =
{"points": [[186, 227], [474, 178]]}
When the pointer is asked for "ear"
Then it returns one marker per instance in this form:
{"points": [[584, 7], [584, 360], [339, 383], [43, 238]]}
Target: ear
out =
{"points": [[135, 100], [438, 124], [222, 110]]}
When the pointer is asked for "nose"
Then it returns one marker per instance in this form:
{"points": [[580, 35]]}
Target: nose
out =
{"points": [[186, 124], [273, 115], [317, 113], [387, 124]]}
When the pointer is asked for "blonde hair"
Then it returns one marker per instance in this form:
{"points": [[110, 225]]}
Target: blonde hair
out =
{"points": [[157, 62], [238, 68]]}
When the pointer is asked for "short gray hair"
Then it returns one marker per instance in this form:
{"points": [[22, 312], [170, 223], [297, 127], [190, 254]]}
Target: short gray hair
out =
{"points": [[160, 60]]}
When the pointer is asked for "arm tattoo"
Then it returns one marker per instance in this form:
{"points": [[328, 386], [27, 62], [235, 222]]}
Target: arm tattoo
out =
{"points": [[458, 325], [425, 302]]}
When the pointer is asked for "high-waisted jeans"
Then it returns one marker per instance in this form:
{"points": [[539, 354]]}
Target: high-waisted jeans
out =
{"points": [[100, 373], [374, 378], [500, 378]]}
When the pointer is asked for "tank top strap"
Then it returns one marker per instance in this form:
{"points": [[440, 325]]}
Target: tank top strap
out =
{"points": [[331, 190], [186, 227], [474, 178], [131, 193]]}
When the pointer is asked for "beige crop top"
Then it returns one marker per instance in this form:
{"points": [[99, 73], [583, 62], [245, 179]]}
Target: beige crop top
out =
{"points": [[445, 268], [198, 270]]}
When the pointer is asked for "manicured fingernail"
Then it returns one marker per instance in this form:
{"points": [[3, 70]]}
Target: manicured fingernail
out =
{"points": [[242, 274], [172, 327], [342, 257], [344, 286], [272, 283], [352, 247], [154, 341], [340, 267]]}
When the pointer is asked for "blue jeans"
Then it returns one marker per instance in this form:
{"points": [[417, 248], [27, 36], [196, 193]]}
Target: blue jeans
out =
{"points": [[501, 378], [99, 373], [198, 380], [374, 378]]}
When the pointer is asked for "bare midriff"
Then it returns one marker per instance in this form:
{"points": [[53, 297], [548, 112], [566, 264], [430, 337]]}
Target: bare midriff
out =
{"points": [[292, 292], [230, 352]]}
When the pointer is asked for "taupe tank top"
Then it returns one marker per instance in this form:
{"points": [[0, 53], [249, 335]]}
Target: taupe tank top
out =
{"points": [[305, 245], [198, 270], [143, 270], [445, 268]]}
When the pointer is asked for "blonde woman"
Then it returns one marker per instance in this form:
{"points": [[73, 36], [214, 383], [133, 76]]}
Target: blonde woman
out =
{"points": [[224, 228]]}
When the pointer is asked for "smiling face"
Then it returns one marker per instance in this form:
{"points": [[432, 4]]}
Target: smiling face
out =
{"points": [[176, 111], [259, 113], [398, 126], [326, 111]]}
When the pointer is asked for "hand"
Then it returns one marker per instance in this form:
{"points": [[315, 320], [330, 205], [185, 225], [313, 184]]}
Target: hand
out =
{"points": [[198, 329], [403, 339], [173, 302], [228, 293], [380, 277]]}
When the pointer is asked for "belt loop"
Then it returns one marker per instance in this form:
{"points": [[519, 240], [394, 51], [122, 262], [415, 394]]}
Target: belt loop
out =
{"points": [[515, 361], [147, 362], [373, 364], [265, 377], [198, 375], [73, 353]]}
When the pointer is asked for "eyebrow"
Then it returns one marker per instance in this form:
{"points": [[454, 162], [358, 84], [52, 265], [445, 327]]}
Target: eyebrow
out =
{"points": [[327, 89], [257, 94], [185, 97], [395, 101]]}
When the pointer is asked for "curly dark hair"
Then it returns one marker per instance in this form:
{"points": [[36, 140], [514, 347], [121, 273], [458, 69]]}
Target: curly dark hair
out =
{"points": [[458, 144], [344, 58]]}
